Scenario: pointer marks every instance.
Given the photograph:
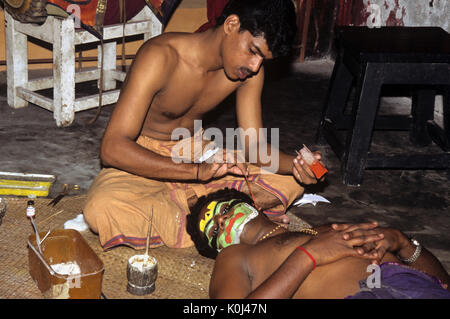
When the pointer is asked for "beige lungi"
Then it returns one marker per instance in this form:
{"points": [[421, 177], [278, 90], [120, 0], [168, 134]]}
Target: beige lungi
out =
{"points": [[119, 203]]}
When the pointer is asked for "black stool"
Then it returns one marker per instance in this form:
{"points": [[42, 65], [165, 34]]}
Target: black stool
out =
{"points": [[369, 59]]}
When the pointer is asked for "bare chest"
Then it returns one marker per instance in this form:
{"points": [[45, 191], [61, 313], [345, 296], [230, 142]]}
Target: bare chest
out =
{"points": [[273, 252], [188, 95]]}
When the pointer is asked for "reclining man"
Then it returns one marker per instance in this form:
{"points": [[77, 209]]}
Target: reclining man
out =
{"points": [[259, 259], [175, 79]]}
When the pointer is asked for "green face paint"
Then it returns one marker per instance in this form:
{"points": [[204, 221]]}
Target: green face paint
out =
{"points": [[233, 226], [211, 234]]}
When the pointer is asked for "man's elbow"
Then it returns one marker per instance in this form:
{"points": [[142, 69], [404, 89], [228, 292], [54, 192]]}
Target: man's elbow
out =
{"points": [[108, 155]]}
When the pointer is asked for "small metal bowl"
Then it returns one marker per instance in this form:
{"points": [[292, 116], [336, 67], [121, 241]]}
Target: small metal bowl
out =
{"points": [[141, 276]]}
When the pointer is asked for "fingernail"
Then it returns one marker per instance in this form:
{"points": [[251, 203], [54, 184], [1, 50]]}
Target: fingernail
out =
{"points": [[295, 161]]}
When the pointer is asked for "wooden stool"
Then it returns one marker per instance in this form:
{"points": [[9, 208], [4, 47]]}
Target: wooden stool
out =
{"points": [[370, 59], [64, 37]]}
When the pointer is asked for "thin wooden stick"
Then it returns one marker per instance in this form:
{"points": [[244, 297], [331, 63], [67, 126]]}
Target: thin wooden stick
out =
{"points": [[148, 234], [51, 216], [250, 190]]}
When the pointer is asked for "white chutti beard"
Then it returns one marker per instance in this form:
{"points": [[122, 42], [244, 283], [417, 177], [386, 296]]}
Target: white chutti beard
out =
{"points": [[237, 238]]}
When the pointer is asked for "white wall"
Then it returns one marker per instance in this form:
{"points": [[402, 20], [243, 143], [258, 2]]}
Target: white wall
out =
{"points": [[414, 12]]}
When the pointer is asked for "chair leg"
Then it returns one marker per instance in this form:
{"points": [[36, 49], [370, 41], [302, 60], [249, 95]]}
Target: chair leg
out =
{"points": [[16, 62], [422, 111], [341, 83], [63, 71], [446, 111], [360, 137], [156, 28], [109, 63]]}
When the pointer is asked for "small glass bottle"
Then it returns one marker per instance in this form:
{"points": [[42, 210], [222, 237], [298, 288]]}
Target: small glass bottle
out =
{"points": [[31, 213]]}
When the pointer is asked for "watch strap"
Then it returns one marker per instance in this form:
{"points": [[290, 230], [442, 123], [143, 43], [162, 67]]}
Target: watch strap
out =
{"points": [[415, 255]]}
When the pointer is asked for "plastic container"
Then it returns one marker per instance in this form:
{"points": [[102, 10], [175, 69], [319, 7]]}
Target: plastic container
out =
{"points": [[65, 247], [316, 167], [23, 184]]}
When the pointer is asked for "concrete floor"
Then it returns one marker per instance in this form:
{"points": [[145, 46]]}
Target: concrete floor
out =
{"points": [[415, 201]]}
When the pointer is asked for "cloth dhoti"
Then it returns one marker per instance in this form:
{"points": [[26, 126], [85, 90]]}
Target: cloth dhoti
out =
{"points": [[119, 204], [401, 282]]}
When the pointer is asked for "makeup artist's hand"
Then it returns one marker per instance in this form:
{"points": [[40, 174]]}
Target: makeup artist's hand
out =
{"points": [[302, 172], [221, 164], [207, 171]]}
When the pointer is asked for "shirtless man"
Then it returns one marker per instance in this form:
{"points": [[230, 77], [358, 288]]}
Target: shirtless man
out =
{"points": [[174, 80], [260, 259]]}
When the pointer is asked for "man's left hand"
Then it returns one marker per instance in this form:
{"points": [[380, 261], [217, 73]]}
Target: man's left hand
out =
{"points": [[303, 173]]}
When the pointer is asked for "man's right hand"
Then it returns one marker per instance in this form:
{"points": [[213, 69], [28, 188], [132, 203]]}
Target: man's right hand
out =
{"points": [[223, 163], [330, 245], [207, 171]]}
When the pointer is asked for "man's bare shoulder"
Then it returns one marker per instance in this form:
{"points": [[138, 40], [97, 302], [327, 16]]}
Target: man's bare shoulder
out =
{"points": [[156, 52], [165, 48], [230, 278], [233, 254]]}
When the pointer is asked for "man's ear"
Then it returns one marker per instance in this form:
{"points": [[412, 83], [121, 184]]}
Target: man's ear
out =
{"points": [[231, 24]]}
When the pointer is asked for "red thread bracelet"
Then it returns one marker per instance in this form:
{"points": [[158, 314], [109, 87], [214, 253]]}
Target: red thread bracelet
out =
{"points": [[309, 255]]}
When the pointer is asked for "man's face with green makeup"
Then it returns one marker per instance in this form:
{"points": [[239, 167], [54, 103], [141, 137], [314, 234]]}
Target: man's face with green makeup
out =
{"points": [[222, 222]]}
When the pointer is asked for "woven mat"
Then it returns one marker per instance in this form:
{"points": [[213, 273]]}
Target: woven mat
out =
{"points": [[182, 273]]}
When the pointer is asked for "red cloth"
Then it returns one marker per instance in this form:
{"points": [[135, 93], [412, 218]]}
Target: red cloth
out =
{"points": [[214, 9], [93, 15], [112, 15], [87, 11]]}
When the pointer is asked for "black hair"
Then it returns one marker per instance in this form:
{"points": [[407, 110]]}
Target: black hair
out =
{"points": [[199, 239], [275, 20]]}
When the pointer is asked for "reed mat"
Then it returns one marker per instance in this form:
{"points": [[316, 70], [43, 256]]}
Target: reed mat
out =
{"points": [[182, 273]]}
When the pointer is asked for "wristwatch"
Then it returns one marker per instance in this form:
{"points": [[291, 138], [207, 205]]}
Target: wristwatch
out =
{"points": [[416, 254]]}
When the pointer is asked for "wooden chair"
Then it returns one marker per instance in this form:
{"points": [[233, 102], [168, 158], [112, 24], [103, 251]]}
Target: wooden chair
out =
{"points": [[369, 59], [64, 37]]}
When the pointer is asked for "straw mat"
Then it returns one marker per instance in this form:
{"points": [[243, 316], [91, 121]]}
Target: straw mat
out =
{"points": [[182, 273]]}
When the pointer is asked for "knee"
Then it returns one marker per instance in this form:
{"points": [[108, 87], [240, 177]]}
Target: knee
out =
{"points": [[96, 208], [89, 213]]}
